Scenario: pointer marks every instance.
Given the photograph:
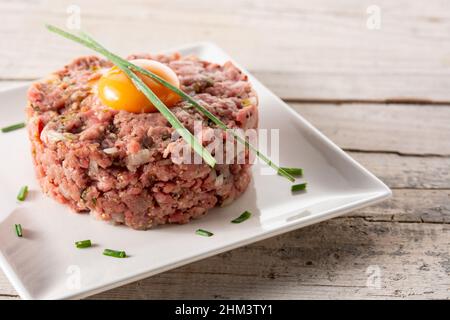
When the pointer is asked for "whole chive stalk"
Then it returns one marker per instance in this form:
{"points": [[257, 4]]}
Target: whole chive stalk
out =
{"points": [[18, 229], [298, 187], [114, 253], [126, 65], [14, 127], [244, 216], [296, 172], [149, 94], [204, 233], [22, 193], [213, 118], [83, 244]]}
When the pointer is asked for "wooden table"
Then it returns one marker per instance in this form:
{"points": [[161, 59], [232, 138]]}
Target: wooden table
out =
{"points": [[383, 95]]}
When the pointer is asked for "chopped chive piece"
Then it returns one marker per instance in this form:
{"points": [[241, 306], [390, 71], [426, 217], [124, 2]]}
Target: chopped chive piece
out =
{"points": [[22, 193], [83, 244], [293, 171], [298, 187], [244, 216], [14, 127], [204, 233], [114, 253], [18, 228]]}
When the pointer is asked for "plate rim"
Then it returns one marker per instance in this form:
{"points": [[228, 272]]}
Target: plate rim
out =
{"points": [[382, 192]]}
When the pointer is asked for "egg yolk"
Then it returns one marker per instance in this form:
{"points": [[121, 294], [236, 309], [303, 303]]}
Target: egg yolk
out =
{"points": [[117, 91]]}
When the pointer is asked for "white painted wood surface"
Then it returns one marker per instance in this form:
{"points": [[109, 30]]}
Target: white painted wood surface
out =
{"points": [[320, 56]]}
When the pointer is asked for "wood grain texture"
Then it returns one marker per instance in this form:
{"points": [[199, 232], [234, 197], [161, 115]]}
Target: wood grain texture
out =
{"points": [[405, 129], [329, 260], [407, 172], [309, 50], [418, 206]]}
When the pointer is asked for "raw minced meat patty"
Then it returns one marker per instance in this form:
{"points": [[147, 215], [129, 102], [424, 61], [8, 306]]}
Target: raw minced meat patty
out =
{"points": [[116, 164]]}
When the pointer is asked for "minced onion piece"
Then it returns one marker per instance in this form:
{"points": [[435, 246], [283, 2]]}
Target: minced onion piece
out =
{"points": [[114, 253], [64, 192], [227, 201], [219, 181], [93, 167], [204, 233], [244, 216], [141, 157], [110, 151], [54, 136], [22, 193], [69, 135]]}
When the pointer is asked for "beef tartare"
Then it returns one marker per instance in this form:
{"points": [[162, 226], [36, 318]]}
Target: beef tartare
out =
{"points": [[117, 164]]}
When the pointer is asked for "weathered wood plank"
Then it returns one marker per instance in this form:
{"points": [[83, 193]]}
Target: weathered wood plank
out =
{"points": [[406, 129], [329, 260], [431, 206], [407, 171], [302, 49]]}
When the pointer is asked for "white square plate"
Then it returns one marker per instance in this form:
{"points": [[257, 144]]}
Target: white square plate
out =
{"points": [[45, 264]]}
